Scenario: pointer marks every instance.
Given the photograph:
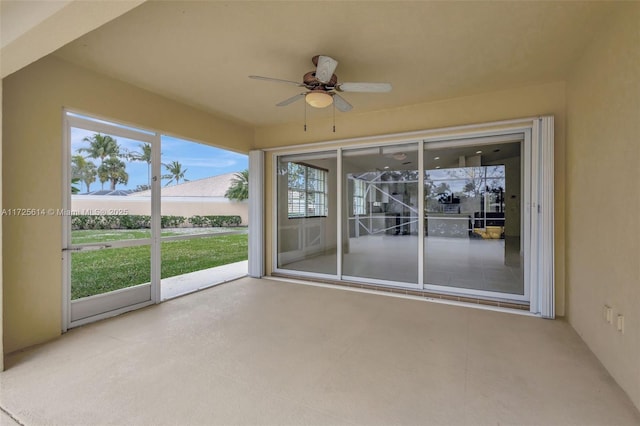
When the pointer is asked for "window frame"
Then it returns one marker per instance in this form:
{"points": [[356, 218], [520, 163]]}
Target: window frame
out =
{"points": [[308, 192], [359, 197]]}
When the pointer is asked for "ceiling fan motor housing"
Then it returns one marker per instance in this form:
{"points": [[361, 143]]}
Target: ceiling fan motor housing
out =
{"points": [[310, 79]]}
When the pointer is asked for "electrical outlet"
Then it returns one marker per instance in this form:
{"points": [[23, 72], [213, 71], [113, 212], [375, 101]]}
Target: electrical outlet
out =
{"points": [[620, 324]]}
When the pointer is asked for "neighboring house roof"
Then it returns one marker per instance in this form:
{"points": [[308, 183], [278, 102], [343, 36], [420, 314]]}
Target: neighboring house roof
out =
{"points": [[109, 192], [214, 186]]}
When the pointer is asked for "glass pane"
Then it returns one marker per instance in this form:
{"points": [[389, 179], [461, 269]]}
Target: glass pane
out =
{"points": [[106, 177], [307, 218], [106, 209], [101, 271], [472, 218], [380, 219]]}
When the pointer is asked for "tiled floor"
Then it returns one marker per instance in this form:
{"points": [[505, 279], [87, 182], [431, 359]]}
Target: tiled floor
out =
{"points": [[450, 262], [266, 352]]}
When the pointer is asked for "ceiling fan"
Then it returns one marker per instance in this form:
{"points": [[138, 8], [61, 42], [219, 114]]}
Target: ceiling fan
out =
{"points": [[322, 85]]}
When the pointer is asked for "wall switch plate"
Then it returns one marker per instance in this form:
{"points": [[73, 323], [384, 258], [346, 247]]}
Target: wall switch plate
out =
{"points": [[607, 314], [620, 324]]}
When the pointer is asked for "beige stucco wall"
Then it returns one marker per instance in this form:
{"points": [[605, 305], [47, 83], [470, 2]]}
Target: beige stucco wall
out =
{"points": [[170, 206], [489, 107], [1, 257], [603, 196], [33, 99]]}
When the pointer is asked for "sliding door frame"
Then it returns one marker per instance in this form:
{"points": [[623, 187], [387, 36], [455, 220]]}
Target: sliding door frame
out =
{"points": [[536, 205]]}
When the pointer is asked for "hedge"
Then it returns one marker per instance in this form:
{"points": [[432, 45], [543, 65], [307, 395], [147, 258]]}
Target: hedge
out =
{"points": [[215, 221], [143, 221]]}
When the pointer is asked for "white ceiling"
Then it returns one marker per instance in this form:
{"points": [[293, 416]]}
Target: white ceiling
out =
{"points": [[201, 53]]}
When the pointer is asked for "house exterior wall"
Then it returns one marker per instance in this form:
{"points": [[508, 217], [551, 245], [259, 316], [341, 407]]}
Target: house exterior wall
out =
{"points": [[33, 102], [603, 196], [171, 206], [531, 101]]}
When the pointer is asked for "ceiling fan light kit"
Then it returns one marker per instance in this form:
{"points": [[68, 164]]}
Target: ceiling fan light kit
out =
{"points": [[322, 85], [318, 99]]}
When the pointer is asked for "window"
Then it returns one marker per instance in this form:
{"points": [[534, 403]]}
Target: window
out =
{"points": [[359, 189], [307, 191]]}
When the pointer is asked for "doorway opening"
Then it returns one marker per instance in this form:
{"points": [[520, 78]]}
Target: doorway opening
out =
{"points": [[146, 218]]}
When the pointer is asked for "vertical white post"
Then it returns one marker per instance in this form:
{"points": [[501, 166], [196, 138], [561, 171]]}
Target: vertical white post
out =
{"points": [[421, 239], [256, 214], [546, 246], [339, 213], [534, 230], [66, 223], [156, 227]]}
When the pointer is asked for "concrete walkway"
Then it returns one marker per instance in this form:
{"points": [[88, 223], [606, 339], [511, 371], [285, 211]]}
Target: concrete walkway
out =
{"points": [[194, 281]]}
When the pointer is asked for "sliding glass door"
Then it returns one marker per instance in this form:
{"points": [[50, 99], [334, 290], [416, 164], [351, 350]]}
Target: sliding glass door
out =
{"points": [[473, 227], [307, 213], [461, 215], [380, 214]]}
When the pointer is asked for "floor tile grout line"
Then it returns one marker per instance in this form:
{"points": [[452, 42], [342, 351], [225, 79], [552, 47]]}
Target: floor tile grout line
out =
{"points": [[11, 416]]}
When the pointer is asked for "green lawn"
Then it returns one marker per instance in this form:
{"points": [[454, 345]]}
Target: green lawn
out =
{"points": [[100, 271]]}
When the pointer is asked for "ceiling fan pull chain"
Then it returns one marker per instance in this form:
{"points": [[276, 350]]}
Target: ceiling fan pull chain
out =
{"points": [[334, 117], [305, 116]]}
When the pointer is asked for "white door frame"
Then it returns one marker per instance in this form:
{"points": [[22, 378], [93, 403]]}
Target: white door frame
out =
{"points": [[123, 300], [537, 211]]}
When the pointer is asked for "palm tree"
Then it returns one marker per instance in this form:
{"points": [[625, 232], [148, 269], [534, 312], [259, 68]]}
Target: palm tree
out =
{"points": [[239, 189], [83, 171], [101, 146], [114, 171], [143, 155], [74, 188], [175, 172]]}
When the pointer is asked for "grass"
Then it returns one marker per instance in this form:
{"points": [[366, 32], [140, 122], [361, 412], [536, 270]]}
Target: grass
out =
{"points": [[101, 236], [100, 271]]}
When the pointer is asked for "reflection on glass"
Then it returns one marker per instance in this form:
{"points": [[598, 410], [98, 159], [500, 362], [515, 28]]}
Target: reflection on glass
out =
{"points": [[380, 213], [307, 186], [472, 218]]}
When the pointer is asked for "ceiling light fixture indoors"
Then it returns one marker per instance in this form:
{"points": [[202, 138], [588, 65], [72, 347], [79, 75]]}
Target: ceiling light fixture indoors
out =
{"points": [[318, 99]]}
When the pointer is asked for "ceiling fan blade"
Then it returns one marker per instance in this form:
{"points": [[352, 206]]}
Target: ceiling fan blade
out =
{"points": [[276, 80], [364, 87], [326, 67], [341, 103], [291, 99]]}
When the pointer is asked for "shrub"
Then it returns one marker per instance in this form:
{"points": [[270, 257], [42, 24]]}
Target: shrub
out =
{"points": [[171, 221], [144, 221], [198, 221]]}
